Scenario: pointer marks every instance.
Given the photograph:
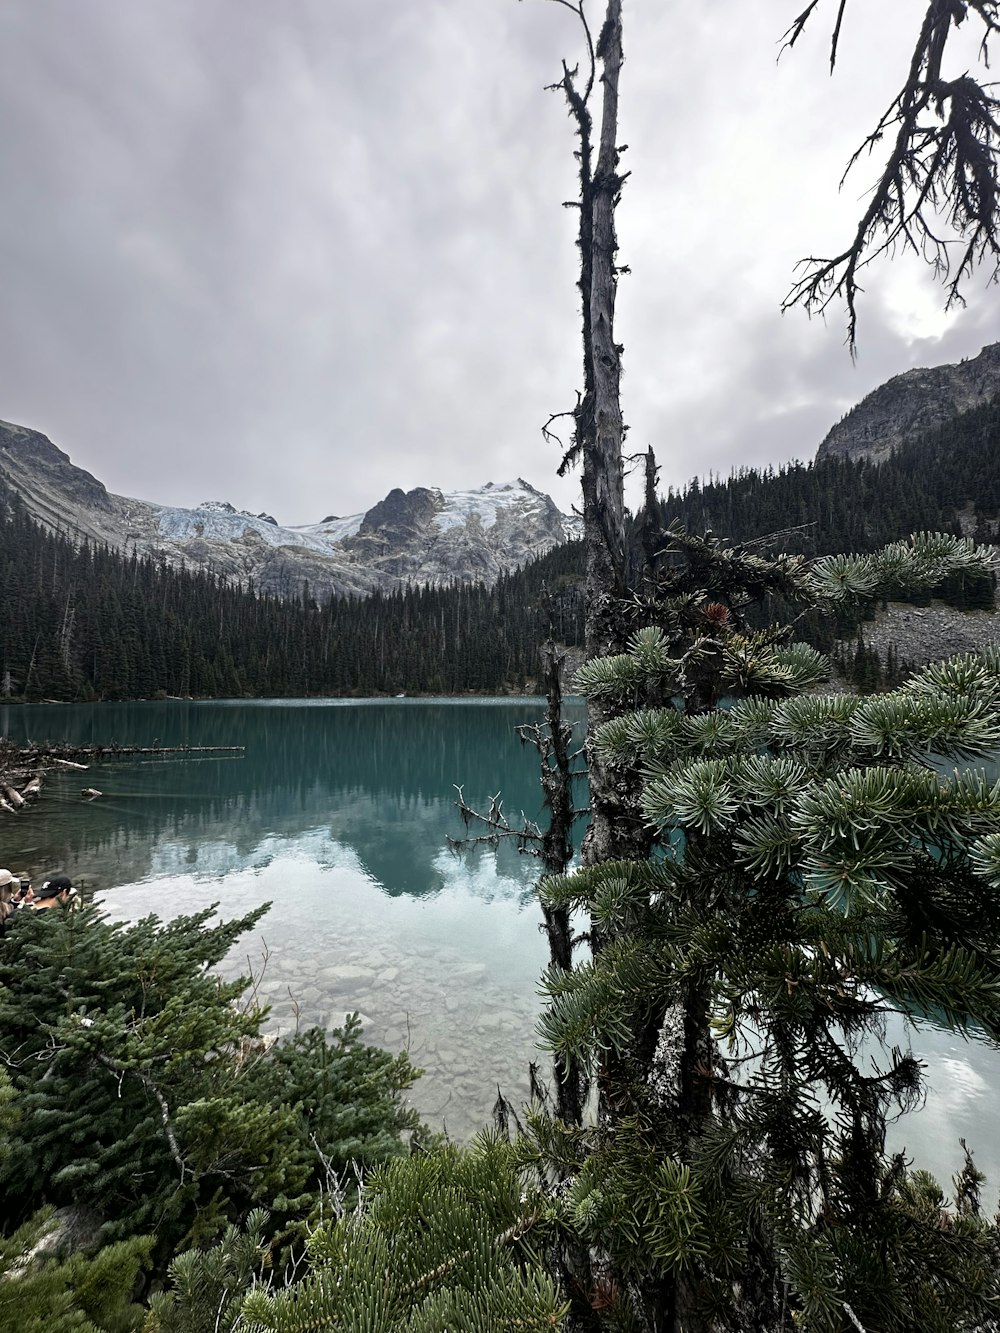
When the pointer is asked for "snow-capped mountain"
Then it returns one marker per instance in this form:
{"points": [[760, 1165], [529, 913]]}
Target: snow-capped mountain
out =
{"points": [[419, 536]]}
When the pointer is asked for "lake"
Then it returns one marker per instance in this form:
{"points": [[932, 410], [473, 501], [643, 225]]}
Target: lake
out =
{"points": [[338, 813]]}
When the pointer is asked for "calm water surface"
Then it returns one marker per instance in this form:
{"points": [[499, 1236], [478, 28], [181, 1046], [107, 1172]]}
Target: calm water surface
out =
{"points": [[338, 813]]}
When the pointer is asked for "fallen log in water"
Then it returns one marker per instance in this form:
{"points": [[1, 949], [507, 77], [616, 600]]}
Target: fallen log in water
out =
{"points": [[95, 753], [22, 770], [14, 797]]}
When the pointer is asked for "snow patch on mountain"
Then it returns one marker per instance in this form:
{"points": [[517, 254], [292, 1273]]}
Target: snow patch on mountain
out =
{"points": [[424, 535], [218, 524], [486, 503], [333, 529], [509, 503]]}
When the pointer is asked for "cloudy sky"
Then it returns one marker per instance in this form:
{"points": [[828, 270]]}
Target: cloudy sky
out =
{"points": [[293, 253]]}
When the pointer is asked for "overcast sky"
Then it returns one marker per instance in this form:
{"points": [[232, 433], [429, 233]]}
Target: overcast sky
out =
{"points": [[293, 253]]}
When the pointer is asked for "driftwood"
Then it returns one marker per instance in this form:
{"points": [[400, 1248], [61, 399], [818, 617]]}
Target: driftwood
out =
{"points": [[96, 753], [22, 769]]}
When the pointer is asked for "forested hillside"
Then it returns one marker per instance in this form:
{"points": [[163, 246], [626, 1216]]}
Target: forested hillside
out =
{"points": [[89, 623], [846, 505]]}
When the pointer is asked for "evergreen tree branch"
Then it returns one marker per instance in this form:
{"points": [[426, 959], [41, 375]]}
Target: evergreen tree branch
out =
{"points": [[169, 1133]]}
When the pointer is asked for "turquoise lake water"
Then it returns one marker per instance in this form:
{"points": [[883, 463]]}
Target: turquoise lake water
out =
{"points": [[338, 813]]}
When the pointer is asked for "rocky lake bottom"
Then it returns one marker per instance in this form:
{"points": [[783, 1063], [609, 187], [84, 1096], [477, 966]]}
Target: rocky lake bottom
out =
{"points": [[464, 1011], [338, 814], [464, 1032]]}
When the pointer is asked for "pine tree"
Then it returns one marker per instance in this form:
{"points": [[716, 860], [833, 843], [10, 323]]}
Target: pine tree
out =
{"points": [[52, 1293], [813, 874], [144, 1090], [451, 1239], [207, 1287]]}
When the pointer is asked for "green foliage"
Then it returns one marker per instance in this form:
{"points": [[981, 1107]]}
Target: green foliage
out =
{"points": [[814, 872], [46, 1293], [853, 504], [143, 1088], [207, 1287], [341, 1089], [8, 1117], [450, 1239]]}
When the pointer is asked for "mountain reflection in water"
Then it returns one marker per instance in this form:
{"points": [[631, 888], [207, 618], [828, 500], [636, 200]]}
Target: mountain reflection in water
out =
{"points": [[338, 813], [378, 777]]}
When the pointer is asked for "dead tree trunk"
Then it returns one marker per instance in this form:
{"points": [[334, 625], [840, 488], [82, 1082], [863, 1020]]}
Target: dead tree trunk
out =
{"points": [[616, 832], [552, 740], [604, 478]]}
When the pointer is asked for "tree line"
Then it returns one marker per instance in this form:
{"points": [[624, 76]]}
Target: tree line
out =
{"points": [[85, 622], [945, 480]]}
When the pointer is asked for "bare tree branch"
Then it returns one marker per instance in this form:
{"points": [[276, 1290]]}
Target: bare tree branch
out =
{"points": [[168, 1129], [795, 31], [528, 835], [581, 14], [549, 435], [937, 194]]}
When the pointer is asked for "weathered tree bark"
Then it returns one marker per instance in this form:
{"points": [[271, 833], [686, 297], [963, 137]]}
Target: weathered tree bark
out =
{"points": [[603, 482], [557, 853], [552, 740], [616, 832]]}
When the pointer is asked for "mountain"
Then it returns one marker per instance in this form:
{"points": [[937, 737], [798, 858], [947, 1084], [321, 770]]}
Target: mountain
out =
{"points": [[419, 536], [914, 403]]}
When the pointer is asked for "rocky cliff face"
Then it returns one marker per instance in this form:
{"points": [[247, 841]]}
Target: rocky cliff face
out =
{"points": [[911, 403], [31, 463], [421, 536]]}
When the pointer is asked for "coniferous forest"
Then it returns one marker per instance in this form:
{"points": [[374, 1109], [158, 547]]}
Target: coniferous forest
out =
{"points": [[839, 504], [771, 879], [81, 622]]}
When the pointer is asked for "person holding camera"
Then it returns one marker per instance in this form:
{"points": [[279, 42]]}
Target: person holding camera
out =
{"points": [[8, 884]]}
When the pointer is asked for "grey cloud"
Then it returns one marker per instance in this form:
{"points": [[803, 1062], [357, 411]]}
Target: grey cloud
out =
{"points": [[294, 255]]}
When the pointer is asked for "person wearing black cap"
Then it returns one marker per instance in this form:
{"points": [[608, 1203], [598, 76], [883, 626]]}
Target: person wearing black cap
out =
{"points": [[58, 889]]}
